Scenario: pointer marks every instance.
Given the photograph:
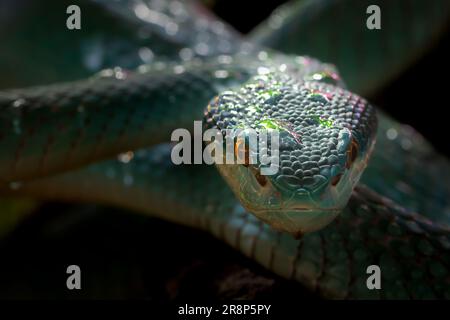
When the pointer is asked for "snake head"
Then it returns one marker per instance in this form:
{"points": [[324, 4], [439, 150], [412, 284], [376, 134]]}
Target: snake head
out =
{"points": [[325, 136]]}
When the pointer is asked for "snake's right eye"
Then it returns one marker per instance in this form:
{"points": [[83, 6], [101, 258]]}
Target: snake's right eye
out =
{"points": [[262, 180], [242, 152]]}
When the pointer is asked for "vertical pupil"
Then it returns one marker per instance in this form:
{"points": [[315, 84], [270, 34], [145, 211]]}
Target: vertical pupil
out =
{"points": [[336, 179], [352, 154], [262, 180], [241, 150]]}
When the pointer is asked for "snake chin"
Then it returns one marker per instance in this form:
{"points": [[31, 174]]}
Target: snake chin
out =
{"points": [[298, 221]]}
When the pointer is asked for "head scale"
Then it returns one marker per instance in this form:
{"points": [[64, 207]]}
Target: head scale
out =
{"points": [[325, 138]]}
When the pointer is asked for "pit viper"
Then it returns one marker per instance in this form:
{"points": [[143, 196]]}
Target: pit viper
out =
{"points": [[316, 221]]}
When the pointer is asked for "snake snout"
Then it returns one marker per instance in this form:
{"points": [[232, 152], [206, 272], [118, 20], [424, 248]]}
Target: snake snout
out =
{"points": [[324, 139]]}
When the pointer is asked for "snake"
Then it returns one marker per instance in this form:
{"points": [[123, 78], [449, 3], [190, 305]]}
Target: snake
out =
{"points": [[353, 187]]}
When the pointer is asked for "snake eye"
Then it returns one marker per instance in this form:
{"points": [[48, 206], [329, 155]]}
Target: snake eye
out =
{"points": [[262, 180], [352, 154], [336, 179], [242, 152]]}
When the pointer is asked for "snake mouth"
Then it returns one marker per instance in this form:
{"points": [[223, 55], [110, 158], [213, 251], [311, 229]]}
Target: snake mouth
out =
{"points": [[302, 209]]}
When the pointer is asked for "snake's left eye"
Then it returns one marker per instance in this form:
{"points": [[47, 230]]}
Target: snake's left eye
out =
{"points": [[335, 180], [352, 154]]}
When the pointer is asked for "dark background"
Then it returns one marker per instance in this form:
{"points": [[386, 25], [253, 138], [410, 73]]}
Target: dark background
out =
{"points": [[122, 255]]}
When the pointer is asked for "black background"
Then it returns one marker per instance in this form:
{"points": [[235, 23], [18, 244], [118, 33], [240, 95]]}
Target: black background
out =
{"points": [[157, 260]]}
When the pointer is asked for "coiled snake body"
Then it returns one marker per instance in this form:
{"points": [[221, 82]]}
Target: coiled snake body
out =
{"points": [[57, 141]]}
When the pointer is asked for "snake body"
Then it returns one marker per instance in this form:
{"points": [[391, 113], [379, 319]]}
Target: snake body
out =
{"points": [[51, 136]]}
